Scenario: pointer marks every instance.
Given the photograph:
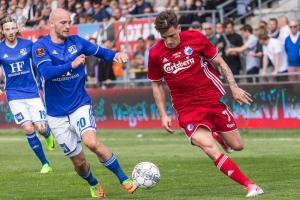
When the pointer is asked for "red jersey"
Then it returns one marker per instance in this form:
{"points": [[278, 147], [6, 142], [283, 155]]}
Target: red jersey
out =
{"points": [[192, 80]]}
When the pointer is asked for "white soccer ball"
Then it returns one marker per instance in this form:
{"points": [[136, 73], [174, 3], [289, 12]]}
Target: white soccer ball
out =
{"points": [[146, 175]]}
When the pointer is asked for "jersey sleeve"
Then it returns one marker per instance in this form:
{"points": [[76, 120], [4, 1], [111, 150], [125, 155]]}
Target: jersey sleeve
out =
{"points": [[154, 70], [39, 54], [207, 50], [43, 63], [90, 49]]}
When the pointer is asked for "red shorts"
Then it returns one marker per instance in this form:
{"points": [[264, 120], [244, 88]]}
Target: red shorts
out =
{"points": [[216, 118]]}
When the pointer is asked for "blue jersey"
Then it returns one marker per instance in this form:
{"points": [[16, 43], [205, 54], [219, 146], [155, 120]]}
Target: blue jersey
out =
{"points": [[16, 62], [64, 87], [293, 51]]}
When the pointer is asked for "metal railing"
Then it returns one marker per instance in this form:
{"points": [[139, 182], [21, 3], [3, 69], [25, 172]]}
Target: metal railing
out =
{"points": [[233, 13]]}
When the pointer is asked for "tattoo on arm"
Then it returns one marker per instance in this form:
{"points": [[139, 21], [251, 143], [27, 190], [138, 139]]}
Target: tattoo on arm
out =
{"points": [[227, 74]]}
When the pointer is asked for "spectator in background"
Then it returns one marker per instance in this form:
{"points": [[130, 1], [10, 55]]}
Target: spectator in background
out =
{"points": [[83, 18], [92, 66], [131, 6], [88, 7], [272, 51], [186, 19], [150, 42], [273, 28], [196, 26], [101, 13], [140, 7], [219, 30], [106, 73], [292, 48], [78, 11], [71, 6], [207, 27], [284, 29], [124, 10], [117, 15], [137, 63], [248, 48], [263, 24], [230, 39], [19, 18], [29, 12]]}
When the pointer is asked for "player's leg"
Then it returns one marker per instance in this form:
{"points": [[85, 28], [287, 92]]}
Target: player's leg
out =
{"points": [[37, 113], [83, 169], [70, 144], [223, 120], [233, 139], [219, 138], [36, 146], [202, 138], [84, 123], [22, 117], [108, 159]]}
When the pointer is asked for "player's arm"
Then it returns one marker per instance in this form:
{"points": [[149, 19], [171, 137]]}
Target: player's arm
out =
{"points": [[160, 99], [155, 75], [45, 67], [238, 94], [91, 49]]}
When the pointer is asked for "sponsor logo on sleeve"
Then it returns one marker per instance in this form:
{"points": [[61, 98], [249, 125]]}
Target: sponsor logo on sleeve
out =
{"points": [[40, 52]]}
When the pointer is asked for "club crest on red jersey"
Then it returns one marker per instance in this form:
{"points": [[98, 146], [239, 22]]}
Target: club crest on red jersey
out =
{"points": [[188, 51], [190, 127]]}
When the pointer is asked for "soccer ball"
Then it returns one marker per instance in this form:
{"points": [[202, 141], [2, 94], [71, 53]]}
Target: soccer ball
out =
{"points": [[146, 175]]}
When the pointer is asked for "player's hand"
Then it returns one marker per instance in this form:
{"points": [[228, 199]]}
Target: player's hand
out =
{"points": [[167, 123], [78, 61], [1, 92], [241, 96], [121, 57]]}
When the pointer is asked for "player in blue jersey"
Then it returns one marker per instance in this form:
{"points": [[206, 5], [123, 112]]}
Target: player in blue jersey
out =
{"points": [[59, 59], [21, 90]]}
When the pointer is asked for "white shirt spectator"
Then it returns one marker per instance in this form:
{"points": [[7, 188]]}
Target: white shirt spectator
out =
{"points": [[273, 48], [251, 61]]}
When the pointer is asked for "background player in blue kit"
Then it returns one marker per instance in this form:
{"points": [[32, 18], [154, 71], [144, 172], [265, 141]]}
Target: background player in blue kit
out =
{"points": [[22, 91], [59, 59]]}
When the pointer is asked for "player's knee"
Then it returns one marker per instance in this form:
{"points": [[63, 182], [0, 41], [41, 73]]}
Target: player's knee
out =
{"points": [[238, 146], [28, 128], [42, 128], [93, 145]]}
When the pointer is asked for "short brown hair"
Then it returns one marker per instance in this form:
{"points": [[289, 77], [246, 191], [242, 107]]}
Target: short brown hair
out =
{"points": [[247, 28], [166, 20], [6, 20], [262, 34]]}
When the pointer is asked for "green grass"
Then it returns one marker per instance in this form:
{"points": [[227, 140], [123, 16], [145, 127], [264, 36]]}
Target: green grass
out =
{"points": [[271, 158]]}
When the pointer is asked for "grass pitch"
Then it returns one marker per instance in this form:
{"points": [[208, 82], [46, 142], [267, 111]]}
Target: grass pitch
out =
{"points": [[271, 159]]}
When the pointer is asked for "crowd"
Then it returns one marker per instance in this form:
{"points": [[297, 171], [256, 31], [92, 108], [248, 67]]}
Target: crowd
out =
{"points": [[272, 47], [34, 14]]}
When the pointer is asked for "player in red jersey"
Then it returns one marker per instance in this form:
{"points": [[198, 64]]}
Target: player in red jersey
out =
{"points": [[185, 61]]}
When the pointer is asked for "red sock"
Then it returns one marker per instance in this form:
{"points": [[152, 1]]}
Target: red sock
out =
{"points": [[229, 168], [219, 139]]}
